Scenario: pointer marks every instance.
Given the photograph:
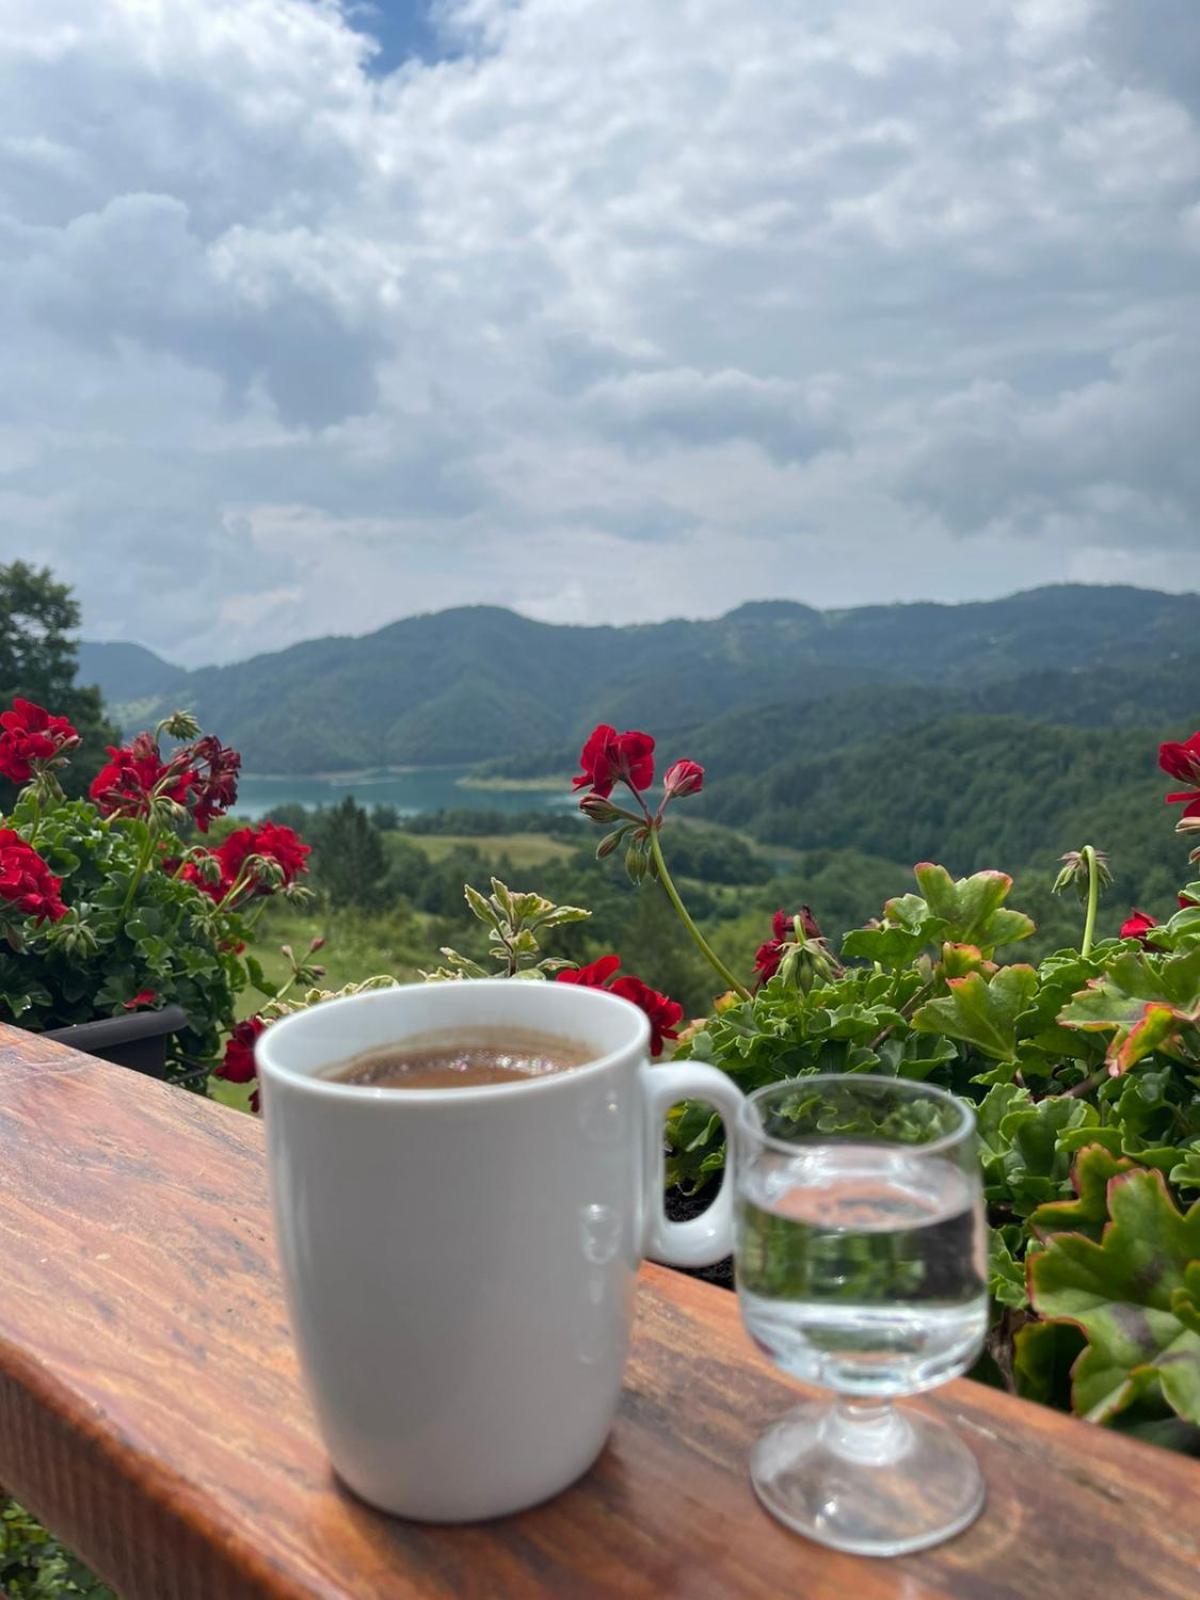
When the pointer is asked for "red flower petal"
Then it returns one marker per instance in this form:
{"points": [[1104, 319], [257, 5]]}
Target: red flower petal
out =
{"points": [[594, 976]]}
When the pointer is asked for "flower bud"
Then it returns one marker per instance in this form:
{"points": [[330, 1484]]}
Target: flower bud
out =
{"points": [[682, 778], [610, 842], [599, 809], [180, 725], [636, 861], [170, 810], [76, 938], [1075, 871], [266, 872], [208, 868]]}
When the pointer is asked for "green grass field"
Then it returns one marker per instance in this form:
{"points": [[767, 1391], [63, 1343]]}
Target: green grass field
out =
{"points": [[521, 849]]}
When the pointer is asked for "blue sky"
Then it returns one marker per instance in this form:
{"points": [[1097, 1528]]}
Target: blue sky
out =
{"points": [[605, 310], [402, 28]]}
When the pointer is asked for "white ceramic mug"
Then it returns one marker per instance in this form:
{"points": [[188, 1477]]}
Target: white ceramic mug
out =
{"points": [[459, 1263]]}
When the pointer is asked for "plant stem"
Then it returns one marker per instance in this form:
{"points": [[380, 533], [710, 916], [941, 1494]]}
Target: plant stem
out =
{"points": [[906, 1011], [702, 944], [1093, 899], [1085, 1086], [139, 870]]}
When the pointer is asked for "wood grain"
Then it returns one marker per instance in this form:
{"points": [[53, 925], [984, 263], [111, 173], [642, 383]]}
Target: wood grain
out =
{"points": [[150, 1411]]}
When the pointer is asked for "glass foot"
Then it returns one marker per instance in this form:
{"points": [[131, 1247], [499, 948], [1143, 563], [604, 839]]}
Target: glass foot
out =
{"points": [[867, 1478]]}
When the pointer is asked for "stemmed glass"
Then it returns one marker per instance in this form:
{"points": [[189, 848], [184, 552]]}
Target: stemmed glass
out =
{"points": [[861, 1268]]}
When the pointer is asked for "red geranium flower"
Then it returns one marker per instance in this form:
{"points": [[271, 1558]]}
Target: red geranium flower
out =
{"points": [[31, 735], [609, 757], [144, 997], [783, 932], [664, 1013], [238, 1065], [215, 888], [1181, 761], [215, 771], [684, 777], [1138, 926], [124, 786], [26, 882], [273, 840], [594, 976]]}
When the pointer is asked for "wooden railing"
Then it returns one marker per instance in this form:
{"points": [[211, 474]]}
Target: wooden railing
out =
{"points": [[151, 1414]]}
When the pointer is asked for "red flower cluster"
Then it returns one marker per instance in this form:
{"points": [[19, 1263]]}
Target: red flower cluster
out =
{"points": [[271, 840], [202, 777], [31, 736], [1182, 761], [783, 932], [238, 1064], [664, 1013], [609, 757], [26, 882], [215, 770], [1138, 926], [132, 777]]}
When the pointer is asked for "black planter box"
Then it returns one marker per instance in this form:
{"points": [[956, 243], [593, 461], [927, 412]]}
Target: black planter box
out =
{"points": [[138, 1041]]}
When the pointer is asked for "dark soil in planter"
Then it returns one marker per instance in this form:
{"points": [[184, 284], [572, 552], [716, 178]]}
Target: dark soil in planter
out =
{"points": [[137, 1041], [682, 1208]]}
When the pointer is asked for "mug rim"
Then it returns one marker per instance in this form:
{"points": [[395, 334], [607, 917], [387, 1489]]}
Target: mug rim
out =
{"points": [[269, 1067]]}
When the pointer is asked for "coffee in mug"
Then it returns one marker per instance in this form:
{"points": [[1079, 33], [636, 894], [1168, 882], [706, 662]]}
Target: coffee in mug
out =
{"points": [[461, 1061]]}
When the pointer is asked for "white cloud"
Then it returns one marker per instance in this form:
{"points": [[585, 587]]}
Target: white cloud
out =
{"points": [[621, 311]]}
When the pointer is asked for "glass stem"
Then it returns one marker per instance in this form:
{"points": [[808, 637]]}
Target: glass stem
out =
{"points": [[869, 1431]]}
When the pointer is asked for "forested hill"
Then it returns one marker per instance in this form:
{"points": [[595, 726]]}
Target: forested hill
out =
{"points": [[480, 683]]}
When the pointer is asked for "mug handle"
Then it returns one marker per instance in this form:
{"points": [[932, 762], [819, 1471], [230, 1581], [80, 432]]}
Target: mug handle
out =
{"points": [[709, 1237]]}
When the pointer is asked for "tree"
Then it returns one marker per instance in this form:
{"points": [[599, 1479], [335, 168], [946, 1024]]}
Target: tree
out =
{"points": [[349, 861], [38, 619]]}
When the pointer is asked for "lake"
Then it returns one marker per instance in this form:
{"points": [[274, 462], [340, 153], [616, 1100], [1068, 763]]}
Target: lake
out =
{"points": [[422, 789]]}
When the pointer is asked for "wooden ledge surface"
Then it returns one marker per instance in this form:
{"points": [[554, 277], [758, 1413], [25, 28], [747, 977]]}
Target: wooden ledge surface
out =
{"points": [[151, 1412]]}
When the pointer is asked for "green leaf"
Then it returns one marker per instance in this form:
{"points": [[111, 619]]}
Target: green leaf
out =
{"points": [[258, 978], [890, 947], [1094, 1170], [558, 915], [973, 908], [1143, 1002], [960, 959], [992, 1112], [1186, 1173], [503, 897], [1043, 1355], [481, 906], [528, 907], [1135, 1294], [916, 1056], [980, 1012], [1006, 1275]]}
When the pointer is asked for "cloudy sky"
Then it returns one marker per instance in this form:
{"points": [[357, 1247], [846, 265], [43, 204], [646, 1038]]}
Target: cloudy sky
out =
{"points": [[316, 315]]}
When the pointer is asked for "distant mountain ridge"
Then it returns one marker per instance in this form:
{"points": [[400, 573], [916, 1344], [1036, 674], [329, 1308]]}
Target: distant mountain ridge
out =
{"points": [[480, 683]]}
